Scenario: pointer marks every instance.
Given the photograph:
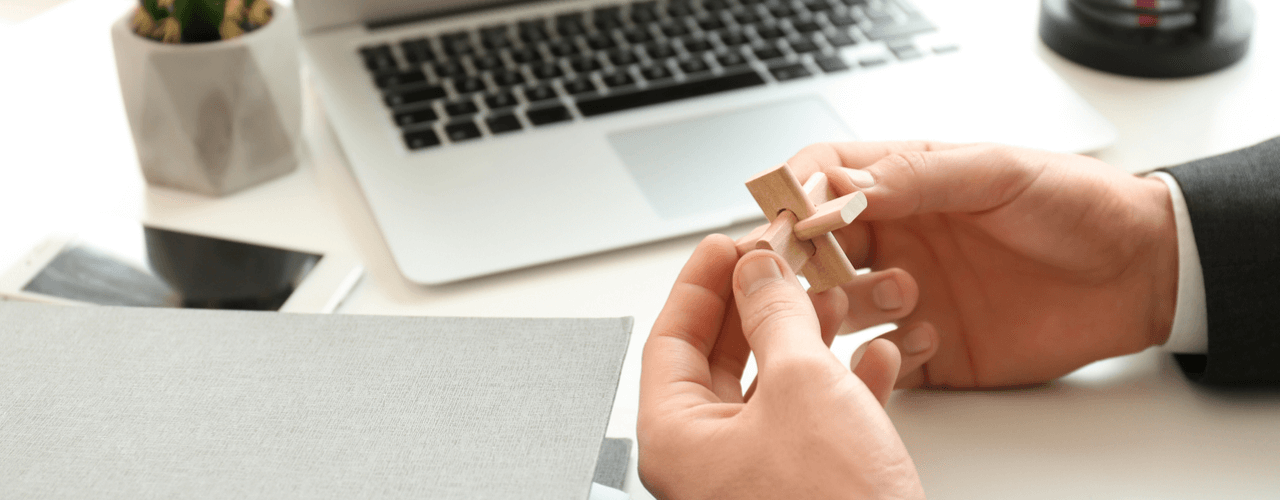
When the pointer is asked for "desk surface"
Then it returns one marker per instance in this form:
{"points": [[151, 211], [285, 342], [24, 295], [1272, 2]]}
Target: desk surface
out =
{"points": [[1122, 428]]}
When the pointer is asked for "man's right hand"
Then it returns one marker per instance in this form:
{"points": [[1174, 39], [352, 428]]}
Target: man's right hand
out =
{"points": [[1029, 264]]}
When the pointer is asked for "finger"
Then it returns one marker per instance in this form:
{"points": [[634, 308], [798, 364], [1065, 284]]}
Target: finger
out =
{"points": [[832, 307], [965, 179], [879, 297], [778, 320], [816, 157], [729, 357], [675, 368], [878, 368], [917, 344]]}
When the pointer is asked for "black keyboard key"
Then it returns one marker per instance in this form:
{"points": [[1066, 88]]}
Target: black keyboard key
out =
{"points": [[584, 64], [781, 10], [695, 45], [382, 63], [421, 139], [547, 70], [416, 116], [842, 20], [375, 51], [877, 14], [840, 39], [732, 38], [495, 37], [906, 52], [539, 93], [467, 85], [693, 66], [871, 62], [668, 93], [637, 34], [818, 6], [644, 12], [416, 95], [563, 47], [462, 131], [601, 41], [449, 69], [571, 24], [456, 44], [580, 85], [533, 30], [461, 108], [804, 27], [658, 50], [654, 72], [396, 79], [767, 52], [379, 58], [622, 57], [714, 5], [710, 23], [882, 31], [674, 28], [618, 79], [501, 124], [543, 116], [770, 32], [789, 72], [607, 18], [831, 64], [486, 61], [731, 59], [417, 51], [508, 78], [746, 16], [500, 100], [803, 45], [525, 54], [679, 9]]}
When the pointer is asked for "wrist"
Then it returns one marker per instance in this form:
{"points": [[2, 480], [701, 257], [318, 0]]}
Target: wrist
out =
{"points": [[1160, 258]]}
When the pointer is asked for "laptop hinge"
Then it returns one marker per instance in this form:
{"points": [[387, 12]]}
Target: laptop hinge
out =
{"points": [[442, 13]]}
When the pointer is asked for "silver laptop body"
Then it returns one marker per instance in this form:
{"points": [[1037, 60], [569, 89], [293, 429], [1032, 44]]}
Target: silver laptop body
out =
{"points": [[464, 181]]}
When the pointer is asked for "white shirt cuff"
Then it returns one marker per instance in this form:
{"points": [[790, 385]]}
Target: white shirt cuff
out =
{"points": [[1190, 334]]}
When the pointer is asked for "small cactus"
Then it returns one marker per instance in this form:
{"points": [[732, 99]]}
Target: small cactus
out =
{"points": [[194, 21]]}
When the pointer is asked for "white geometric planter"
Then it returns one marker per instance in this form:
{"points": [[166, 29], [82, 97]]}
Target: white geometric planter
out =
{"points": [[213, 117]]}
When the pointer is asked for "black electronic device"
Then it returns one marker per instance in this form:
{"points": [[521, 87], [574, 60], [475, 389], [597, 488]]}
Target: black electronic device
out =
{"points": [[1148, 38]]}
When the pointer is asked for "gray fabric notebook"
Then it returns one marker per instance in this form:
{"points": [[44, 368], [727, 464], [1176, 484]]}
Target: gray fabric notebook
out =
{"points": [[105, 402]]}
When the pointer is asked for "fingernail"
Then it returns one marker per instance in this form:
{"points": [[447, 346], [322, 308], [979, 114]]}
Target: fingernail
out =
{"points": [[861, 178], [917, 341], [886, 295], [759, 272]]}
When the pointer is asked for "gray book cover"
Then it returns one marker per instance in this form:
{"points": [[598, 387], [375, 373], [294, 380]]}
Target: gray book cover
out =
{"points": [[110, 402]]}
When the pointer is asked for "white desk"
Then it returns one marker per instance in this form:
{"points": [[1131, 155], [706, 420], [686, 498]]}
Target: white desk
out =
{"points": [[1124, 428]]}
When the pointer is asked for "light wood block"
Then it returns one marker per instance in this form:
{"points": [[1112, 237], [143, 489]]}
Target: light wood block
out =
{"points": [[818, 188], [801, 219], [780, 237], [831, 216]]}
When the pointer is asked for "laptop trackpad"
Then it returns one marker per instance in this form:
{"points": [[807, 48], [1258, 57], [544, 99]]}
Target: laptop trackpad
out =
{"points": [[698, 166]]}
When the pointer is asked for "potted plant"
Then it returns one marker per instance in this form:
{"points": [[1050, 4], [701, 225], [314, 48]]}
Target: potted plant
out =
{"points": [[212, 90]]}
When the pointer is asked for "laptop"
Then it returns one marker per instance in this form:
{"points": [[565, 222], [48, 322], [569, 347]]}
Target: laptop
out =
{"points": [[491, 135]]}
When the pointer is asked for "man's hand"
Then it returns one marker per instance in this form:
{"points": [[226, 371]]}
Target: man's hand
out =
{"points": [[1029, 264], [811, 429]]}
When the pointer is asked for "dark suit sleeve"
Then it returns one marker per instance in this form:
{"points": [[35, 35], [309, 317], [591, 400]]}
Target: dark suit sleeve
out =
{"points": [[1234, 204]]}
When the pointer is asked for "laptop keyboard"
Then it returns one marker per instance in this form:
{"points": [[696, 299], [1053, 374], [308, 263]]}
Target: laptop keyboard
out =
{"points": [[500, 79]]}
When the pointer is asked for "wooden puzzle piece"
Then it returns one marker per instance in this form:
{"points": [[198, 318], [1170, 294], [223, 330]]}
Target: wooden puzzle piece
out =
{"points": [[801, 219]]}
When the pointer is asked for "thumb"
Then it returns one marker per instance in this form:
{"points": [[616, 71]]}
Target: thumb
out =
{"points": [[966, 179], [778, 319]]}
